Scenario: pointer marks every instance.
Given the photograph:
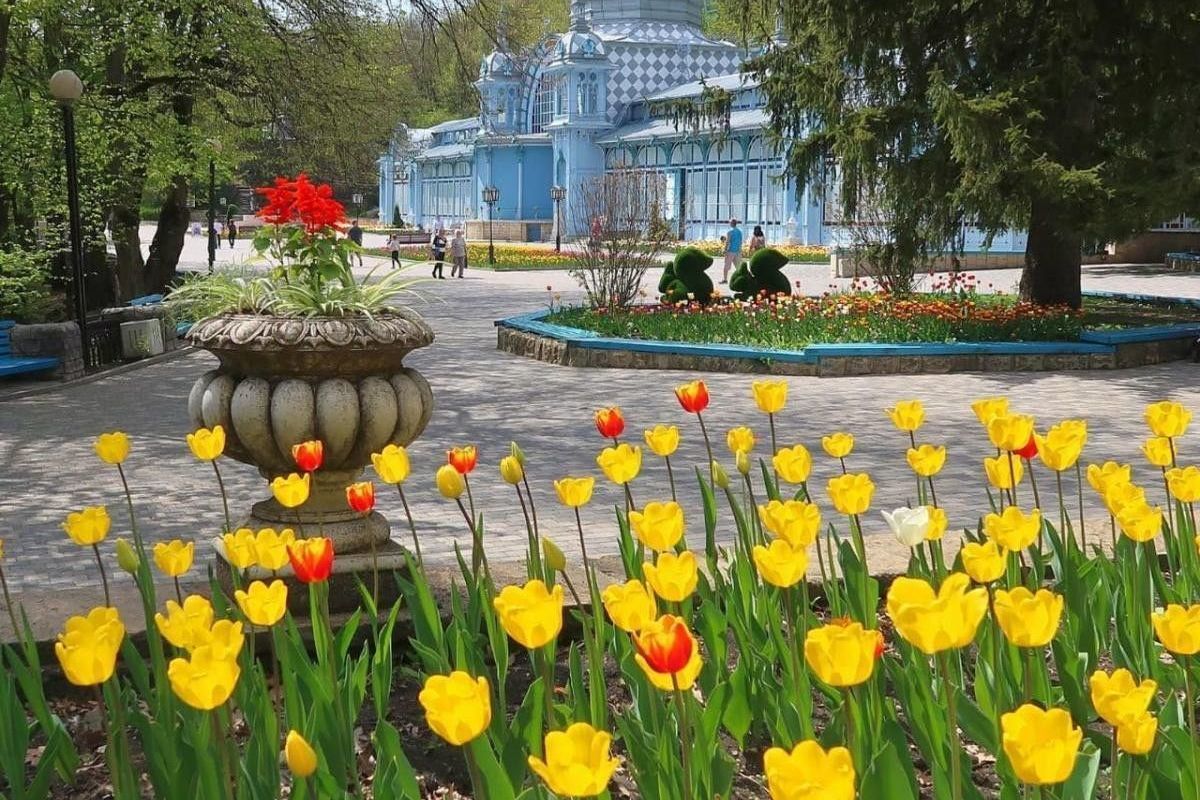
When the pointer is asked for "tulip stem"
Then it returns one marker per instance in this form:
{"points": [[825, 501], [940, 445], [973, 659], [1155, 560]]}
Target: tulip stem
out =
{"points": [[537, 531], [8, 605], [548, 683], [775, 448], [222, 753], [1062, 510], [224, 497], [478, 557], [1037, 500], [932, 492], [534, 561], [412, 526], [470, 498], [103, 574], [582, 542], [178, 592], [685, 735], [671, 478], [952, 719], [1082, 526], [1186, 663], [1116, 764], [712, 464], [1012, 474]]}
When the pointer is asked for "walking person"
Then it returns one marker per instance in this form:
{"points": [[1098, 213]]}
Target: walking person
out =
{"points": [[232, 232], [355, 235], [393, 246], [757, 240], [458, 253], [733, 248], [437, 250]]}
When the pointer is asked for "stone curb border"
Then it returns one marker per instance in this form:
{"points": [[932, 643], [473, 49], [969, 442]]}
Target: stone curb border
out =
{"points": [[530, 336]]}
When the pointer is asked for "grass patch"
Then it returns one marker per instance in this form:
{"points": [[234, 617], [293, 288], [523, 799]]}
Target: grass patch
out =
{"points": [[796, 322]]}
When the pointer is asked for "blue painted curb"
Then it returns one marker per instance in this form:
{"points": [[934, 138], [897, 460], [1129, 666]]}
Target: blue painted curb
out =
{"points": [[1095, 341]]}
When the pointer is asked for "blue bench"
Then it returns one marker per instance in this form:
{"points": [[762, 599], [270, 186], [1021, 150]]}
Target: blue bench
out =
{"points": [[19, 365], [146, 300]]}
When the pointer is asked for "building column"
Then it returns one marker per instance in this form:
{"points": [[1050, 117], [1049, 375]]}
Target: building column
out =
{"points": [[520, 183]]}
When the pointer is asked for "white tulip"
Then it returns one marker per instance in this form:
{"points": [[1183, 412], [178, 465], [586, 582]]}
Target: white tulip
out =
{"points": [[909, 524]]}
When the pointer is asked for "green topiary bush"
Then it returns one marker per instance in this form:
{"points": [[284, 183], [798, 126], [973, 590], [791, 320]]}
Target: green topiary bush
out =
{"points": [[25, 294], [685, 278], [761, 275]]}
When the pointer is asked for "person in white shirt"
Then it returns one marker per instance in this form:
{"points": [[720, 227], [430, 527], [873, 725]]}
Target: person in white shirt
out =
{"points": [[458, 254]]}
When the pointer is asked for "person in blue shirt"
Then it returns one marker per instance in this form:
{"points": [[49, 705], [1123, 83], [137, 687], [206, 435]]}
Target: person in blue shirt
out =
{"points": [[733, 248]]}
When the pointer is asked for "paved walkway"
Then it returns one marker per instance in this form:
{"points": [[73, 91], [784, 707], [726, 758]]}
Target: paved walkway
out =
{"points": [[489, 398]]}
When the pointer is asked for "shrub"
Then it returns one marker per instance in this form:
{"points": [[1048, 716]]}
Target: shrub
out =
{"points": [[685, 278], [25, 294], [761, 274]]}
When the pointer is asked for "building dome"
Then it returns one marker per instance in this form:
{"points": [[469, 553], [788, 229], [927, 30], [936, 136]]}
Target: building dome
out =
{"points": [[579, 44], [497, 64]]}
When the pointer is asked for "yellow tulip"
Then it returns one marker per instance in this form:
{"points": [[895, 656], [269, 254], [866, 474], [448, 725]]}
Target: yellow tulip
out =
{"points": [[88, 646], [1140, 521], [936, 621], [186, 626], [938, 523], [113, 448], [1000, 472], [770, 396], [1109, 474], [263, 604], [224, 639], [1167, 419], [1028, 619], [740, 440], [983, 562], [719, 475], [1136, 736], [578, 761], [1010, 432], [927, 460], [1118, 698], [1012, 529], [1120, 495], [89, 526], [663, 440], [780, 564], [794, 521], [843, 655], [271, 548], [907, 415], [837, 445], [1041, 745], [988, 408], [1062, 445], [206, 679], [291, 491], [1178, 628], [207, 445], [851, 494], [1184, 483], [659, 526], [793, 463], [299, 754], [458, 708], [511, 471], [240, 550], [685, 678], [741, 460], [531, 614], [1157, 450], [672, 577], [809, 772], [391, 464], [174, 558], [450, 482], [629, 605], [575, 492], [620, 464]]}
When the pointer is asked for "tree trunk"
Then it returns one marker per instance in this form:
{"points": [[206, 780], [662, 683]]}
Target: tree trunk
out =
{"points": [[173, 220], [1052, 259], [130, 269]]}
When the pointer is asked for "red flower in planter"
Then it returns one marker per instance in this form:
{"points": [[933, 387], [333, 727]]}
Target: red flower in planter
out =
{"points": [[312, 559], [301, 201], [463, 459], [361, 496], [309, 455], [609, 422]]}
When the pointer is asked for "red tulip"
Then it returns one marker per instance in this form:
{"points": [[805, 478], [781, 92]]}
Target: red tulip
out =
{"points": [[609, 422], [361, 496], [309, 455], [692, 396], [666, 644], [312, 559], [1029, 450], [463, 459]]}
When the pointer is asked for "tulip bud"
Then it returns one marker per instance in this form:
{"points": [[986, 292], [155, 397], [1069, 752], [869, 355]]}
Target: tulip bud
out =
{"points": [[553, 556], [741, 460], [510, 470], [720, 476], [515, 451], [127, 559], [300, 756]]}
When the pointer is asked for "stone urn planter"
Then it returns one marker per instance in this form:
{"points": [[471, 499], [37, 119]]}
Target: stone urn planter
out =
{"points": [[285, 380]]}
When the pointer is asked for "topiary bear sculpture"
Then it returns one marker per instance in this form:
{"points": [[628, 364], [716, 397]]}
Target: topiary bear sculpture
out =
{"points": [[685, 278], [761, 274]]}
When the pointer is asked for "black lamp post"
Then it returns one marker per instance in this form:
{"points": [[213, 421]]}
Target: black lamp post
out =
{"points": [[491, 196], [558, 194], [212, 205], [66, 88]]}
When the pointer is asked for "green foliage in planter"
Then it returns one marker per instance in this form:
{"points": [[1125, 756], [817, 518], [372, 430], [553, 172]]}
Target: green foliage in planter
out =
{"points": [[685, 278], [25, 294], [761, 274]]}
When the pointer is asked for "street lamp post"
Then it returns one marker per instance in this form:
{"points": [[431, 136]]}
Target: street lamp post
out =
{"points": [[491, 196], [66, 88], [212, 208], [558, 194]]}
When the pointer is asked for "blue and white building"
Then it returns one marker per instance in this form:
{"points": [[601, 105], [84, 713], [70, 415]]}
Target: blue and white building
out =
{"points": [[592, 100]]}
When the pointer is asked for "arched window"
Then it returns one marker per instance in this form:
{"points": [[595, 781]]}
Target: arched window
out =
{"points": [[543, 104], [589, 94]]}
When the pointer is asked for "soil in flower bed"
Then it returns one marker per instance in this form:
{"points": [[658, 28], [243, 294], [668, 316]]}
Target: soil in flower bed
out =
{"points": [[792, 323]]}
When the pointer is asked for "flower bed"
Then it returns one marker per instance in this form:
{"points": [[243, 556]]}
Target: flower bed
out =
{"points": [[796, 253], [508, 256], [1023, 659], [796, 322]]}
